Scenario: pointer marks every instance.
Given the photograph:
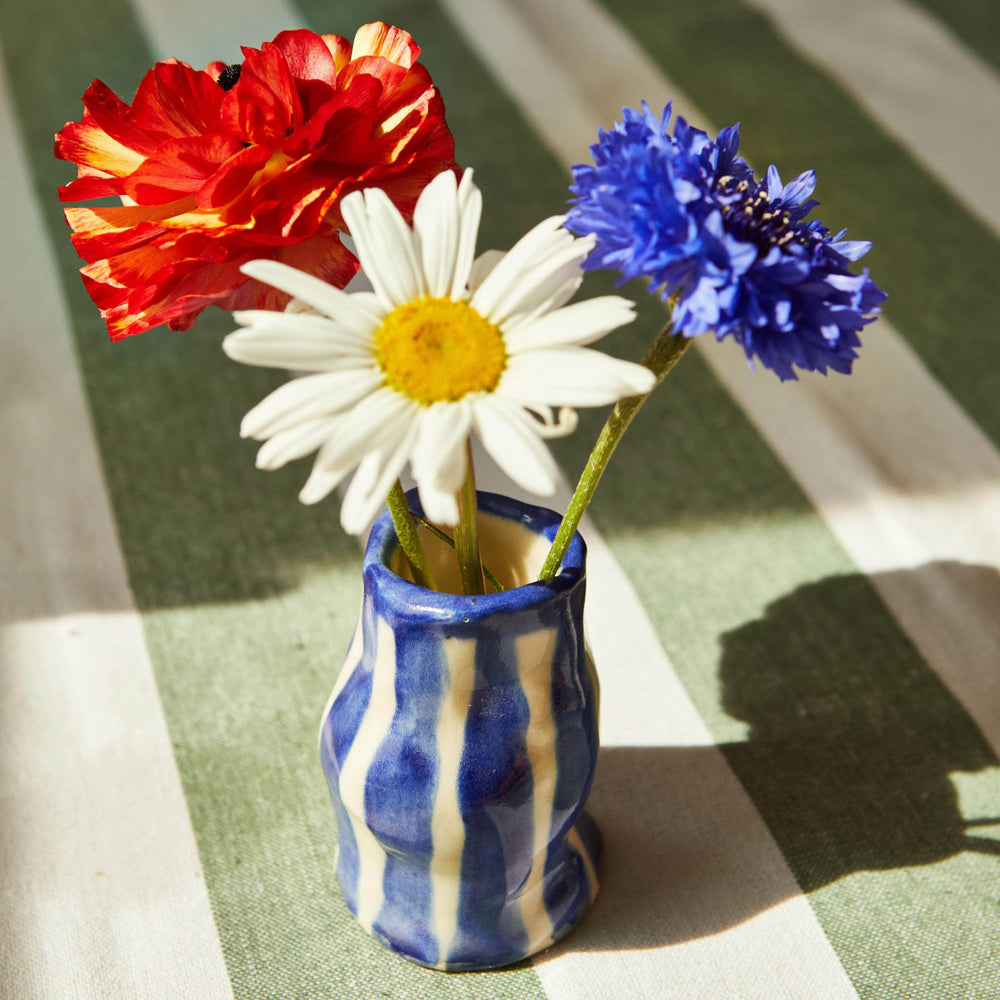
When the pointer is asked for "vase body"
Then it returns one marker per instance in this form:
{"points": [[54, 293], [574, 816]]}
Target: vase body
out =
{"points": [[459, 745]]}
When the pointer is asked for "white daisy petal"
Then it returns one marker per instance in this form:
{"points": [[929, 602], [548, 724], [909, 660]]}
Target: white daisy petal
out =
{"points": [[353, 209], [296, 442], [351, 311], [378, 418], [297, 341], [385, 247], [293, 354], [325, 476], [554, 424], [444, 429], [536, 246], [439, 458], [435, 226], [373, 480], [509, 436], [470, 211], [482, 266], [559, 295], [360, 486], [298, 306], [320, 484], [577, 324], [260, 323], [547, 285], [572, 376], [440, 505], [541, 272], [339, 455], [307, 398]]}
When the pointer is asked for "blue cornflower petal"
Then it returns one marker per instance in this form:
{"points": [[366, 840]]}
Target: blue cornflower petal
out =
{"points": [[686, 212], [852, 249], [798, 190], [774, 185]]}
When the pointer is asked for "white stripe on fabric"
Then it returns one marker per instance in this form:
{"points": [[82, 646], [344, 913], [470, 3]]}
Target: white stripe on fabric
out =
{"points": [[199, 33], [714, 936], [102, 892], [937, 98], [447, 827], [930, 477]]}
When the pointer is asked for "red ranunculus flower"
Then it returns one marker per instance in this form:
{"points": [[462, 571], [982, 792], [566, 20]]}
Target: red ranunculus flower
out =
{"points": [[219, 166]]}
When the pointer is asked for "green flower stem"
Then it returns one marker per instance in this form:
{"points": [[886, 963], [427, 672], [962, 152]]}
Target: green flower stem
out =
{"points": [[409, 540], [661, 357], [448, 540], [470, 566]]}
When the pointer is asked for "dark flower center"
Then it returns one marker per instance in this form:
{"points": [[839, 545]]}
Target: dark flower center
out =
{"points": [[229, 77], [749, 216]]}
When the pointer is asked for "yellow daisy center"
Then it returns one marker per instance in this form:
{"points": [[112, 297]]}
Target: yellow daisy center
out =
{"points": [[439, 349]]}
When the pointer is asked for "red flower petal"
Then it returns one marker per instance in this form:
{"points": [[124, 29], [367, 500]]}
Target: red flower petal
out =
{"points": [[174, 100], [108, 112], [306, 55], [215, 178], [340, 49], [334, 130], [179, 166], [233, 178], [264, 104], [380, 39], [312, 66], [87, 143]]}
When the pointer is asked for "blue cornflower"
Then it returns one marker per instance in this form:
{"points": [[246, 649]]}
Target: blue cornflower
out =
{"points": [[738, 254]]}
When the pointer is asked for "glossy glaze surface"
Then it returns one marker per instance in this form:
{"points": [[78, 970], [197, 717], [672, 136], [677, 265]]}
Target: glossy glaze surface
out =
{"points": [[459, 746]]}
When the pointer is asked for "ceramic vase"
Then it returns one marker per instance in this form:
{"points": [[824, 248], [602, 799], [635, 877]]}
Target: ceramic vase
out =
{"points": [[459, 745]]}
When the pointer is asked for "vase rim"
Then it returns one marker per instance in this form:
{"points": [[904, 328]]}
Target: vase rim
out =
{"points": [[439, 605]]}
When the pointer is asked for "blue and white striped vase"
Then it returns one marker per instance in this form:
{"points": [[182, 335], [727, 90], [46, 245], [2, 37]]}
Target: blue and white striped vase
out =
{"points": [[459, 745]]}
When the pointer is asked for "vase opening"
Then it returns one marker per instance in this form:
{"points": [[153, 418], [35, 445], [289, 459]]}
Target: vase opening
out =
{"points": [[512, 551]]}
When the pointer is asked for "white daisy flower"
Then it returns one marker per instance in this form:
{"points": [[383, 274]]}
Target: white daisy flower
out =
{"points": [[443, 347]]}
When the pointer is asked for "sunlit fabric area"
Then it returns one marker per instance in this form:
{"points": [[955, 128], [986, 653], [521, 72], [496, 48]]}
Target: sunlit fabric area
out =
{"points": [[793, 584]]}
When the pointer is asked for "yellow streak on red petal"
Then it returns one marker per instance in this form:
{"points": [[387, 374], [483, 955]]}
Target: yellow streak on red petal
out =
{"points": [[115, 218], [84, 142], [381, 39], [340, 49]]}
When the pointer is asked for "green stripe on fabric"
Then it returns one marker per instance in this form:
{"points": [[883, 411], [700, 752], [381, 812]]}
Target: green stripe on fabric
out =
{"points": [[975, 22], [844, 737], [937, 264], [248, 599]]}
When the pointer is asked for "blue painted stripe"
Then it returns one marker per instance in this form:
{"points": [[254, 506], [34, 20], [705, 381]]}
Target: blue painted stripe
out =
{"points": [[351, 703], [574, 713], [495, 787], [399, 795]]}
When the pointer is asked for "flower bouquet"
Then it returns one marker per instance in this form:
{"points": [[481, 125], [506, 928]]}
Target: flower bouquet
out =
{"points": [[460, 740]]}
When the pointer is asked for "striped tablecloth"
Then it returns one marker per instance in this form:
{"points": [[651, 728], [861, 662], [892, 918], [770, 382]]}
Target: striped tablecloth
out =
{"points": [[794, 597]]}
